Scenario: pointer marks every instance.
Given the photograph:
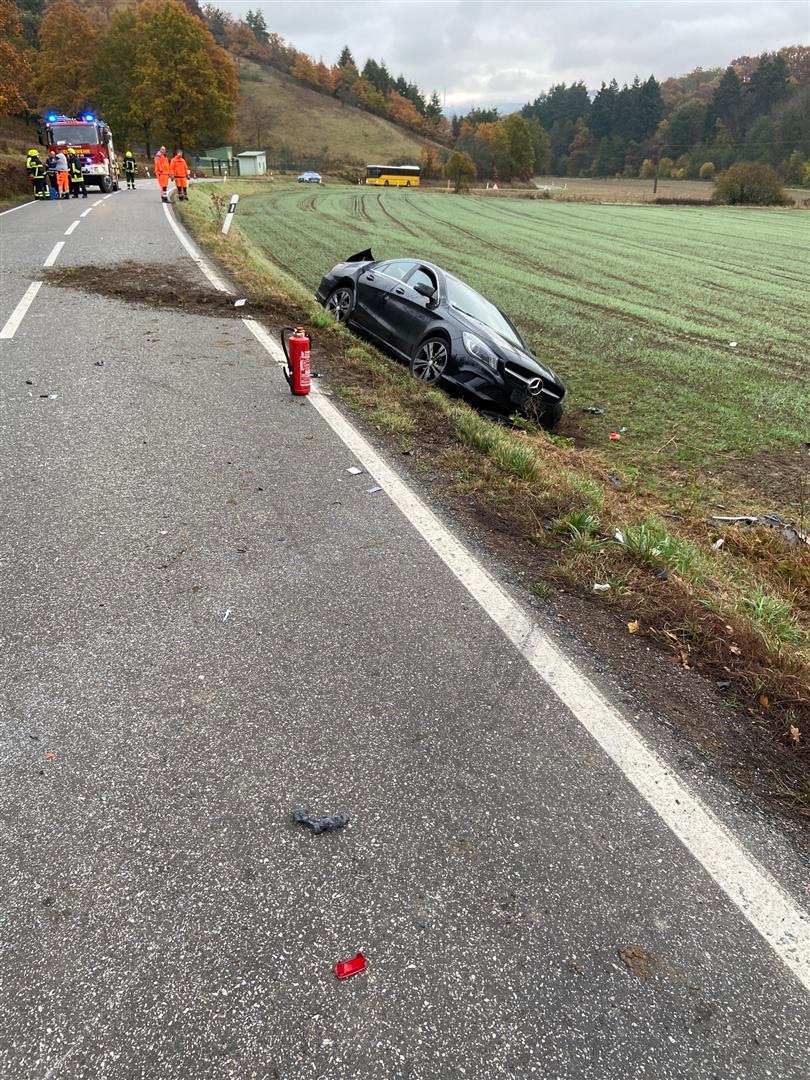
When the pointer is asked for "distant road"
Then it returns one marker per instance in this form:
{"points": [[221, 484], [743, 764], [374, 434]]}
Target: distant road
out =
{"points": [[207, 620]]}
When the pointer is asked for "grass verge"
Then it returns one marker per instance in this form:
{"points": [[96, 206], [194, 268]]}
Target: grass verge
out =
{"points": [[736, 609]]}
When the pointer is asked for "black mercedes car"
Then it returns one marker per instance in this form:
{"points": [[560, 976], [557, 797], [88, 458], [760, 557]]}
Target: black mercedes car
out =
{"points": [[444, 330]]}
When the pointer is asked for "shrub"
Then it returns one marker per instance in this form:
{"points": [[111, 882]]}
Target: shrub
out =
{"points": [[707, 170], [749, 183], [647, 171]]}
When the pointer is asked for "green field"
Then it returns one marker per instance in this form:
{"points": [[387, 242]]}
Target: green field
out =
{"points": [[634, 306]]}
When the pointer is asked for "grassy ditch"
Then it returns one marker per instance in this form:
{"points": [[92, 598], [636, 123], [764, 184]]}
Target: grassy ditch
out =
{"points": [[738, 610]]}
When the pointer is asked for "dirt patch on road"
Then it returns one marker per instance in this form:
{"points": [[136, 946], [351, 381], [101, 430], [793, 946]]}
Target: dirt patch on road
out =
{"points": [[150, 285]]}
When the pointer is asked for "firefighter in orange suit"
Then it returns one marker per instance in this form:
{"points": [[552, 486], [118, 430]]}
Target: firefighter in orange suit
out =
{"points": [[178, 170], [162, 172]]}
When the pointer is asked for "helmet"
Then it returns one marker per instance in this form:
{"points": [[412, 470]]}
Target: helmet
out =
{"points": [[128, 153], [33, 153]]}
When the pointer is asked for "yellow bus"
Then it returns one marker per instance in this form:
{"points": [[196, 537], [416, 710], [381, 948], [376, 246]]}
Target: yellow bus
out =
{"points": [[393, 175]]}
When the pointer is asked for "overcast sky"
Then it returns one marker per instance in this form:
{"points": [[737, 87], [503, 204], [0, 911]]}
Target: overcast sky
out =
{"points": [[509, 51]]}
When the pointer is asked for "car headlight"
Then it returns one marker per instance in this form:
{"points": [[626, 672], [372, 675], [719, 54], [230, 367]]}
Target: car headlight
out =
{"points": [[480, 350]]}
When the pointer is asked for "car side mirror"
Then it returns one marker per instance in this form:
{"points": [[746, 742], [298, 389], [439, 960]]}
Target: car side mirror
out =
{"points": [[425, 290]]}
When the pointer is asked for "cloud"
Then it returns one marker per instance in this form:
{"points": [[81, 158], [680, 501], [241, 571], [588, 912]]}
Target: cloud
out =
{"points": [[491, 51]]}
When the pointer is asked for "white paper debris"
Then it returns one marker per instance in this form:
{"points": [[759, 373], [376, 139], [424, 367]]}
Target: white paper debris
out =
{"points": [[227, 613], [732, 344], [373, 490], [239, 303], [718, 543], [619, 536], [354, 470], [597, 587]]}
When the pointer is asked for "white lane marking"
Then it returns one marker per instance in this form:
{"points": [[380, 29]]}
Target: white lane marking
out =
{"points": [[98, 202], [212, 276], [84, 213], [17, 315], [54, 255], [747, 884], [750, 887], [13, 208], [108, 196], [72, 227]]}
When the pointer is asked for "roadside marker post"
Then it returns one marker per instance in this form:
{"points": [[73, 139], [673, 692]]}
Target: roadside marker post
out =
{"points": [[226, 224]]}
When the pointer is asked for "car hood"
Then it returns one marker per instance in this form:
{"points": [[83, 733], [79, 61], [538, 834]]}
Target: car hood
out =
{"points": [[505, 349]]}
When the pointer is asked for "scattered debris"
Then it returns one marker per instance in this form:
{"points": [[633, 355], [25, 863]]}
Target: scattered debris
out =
{"points": [[227, 614], [239, 303], [632, 627], [618, 536], [718, 543], [373, 490], [241, 550], [29, 382], [331, 823], [622, 430], [614, 436], [722, 684], [615, 480], [662, 575], [344, 969], [408, 453], [732, 344], [795, 734], [49, 755], [771, 521], [597, 587], [594, 410], [354, 470], [99, 363]]}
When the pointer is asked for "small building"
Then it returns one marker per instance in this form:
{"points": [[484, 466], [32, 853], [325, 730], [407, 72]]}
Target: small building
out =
{"points": [[252, 163]]}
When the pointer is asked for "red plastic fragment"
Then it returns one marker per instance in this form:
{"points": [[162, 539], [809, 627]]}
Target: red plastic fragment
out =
{"points": [[344, 969], [614, 436]]}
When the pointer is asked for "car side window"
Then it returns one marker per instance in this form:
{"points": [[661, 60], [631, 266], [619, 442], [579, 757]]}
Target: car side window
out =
{"points": [[398, 269], [423, 277]]}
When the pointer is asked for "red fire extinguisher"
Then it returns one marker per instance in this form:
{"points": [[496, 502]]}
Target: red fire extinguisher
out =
{"points": [[296, 349]]}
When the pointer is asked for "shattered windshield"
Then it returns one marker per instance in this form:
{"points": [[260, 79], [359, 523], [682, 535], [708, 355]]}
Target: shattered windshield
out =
{"points": [[468, 301]]}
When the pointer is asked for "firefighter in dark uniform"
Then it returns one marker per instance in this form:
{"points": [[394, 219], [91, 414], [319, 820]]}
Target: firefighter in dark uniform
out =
{"points": [[50, 169], [36, 174], [130, 168], [76, 175]]}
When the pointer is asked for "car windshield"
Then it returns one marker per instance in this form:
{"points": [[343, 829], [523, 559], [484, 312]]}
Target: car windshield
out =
{"points": [[68, 134], [468, 301]]}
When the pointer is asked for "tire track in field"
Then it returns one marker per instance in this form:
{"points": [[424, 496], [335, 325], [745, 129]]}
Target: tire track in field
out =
{"points": [[534, 227], [390, 216]]}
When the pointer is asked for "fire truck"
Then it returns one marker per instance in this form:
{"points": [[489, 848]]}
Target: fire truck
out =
{"points": [[91, 139]]}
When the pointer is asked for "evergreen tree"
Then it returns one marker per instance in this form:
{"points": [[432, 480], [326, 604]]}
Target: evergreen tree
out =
{"points": [[217, 22], [685, 127], [603, 110], [725, 104], [759, 142], [649, 109], [768, 85], [255, 20], [434, 106], [346, 59]]}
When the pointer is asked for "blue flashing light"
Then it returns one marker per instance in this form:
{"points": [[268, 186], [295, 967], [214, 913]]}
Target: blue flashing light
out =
{"points": [[89, 117], [52, 118]]}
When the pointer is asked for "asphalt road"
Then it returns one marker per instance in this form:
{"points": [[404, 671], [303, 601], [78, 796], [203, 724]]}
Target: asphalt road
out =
{"points": [[207, 620]]}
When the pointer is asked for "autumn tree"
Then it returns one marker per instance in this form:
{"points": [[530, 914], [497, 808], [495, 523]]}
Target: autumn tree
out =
{"points": [[66, 34], [13, 65], [429, 161], [579, 152], [185, 82], [116, 77], [521, 151], [460, 168]]}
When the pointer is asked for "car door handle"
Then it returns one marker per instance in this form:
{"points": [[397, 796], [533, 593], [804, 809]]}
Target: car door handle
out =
{"points": [[399, 292], [369, 277]]}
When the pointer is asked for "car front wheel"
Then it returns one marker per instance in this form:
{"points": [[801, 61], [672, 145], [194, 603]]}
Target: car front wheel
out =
{"points": [[430, 360], [339, 302]]}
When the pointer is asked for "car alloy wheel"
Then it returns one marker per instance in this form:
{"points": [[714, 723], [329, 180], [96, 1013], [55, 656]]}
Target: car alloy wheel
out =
{"points": [[430, 360], [339, 303]]}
